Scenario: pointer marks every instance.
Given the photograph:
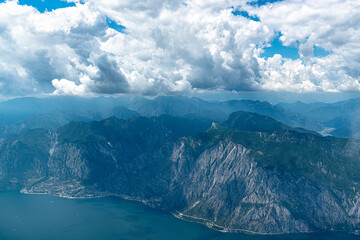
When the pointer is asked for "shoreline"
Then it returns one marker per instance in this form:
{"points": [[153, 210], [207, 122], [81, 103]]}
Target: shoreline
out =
{"points": [[208, 223], [216, 227]]}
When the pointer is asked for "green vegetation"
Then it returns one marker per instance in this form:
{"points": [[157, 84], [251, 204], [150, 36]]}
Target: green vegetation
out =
{"points": [[116, 129], [253, 122], [329, 160]]}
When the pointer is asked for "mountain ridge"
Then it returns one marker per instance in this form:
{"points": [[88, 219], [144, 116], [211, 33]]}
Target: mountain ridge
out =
{"points": [[273, 182], [18, 115]]}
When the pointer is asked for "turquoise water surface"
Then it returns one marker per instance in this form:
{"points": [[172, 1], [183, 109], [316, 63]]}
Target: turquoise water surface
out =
{"points": [[36, 217]]}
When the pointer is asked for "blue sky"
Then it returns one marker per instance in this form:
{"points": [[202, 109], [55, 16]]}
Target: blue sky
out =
{"points": [[276, 45], [48, 5], [259, 3], [245, 14], [292, 52], [114, 25], [168, 47]]}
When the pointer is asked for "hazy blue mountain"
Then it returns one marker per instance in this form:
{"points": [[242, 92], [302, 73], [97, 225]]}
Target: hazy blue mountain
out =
{"points": [[342, 118], [22, 114], [51, 121], [300, 107], [324, 111], [251, 172], [347, 125], [119, 112], [55, 119], [218, 111], [17, 109], [265, 108], [17, 113], [333, 110], [180, 106]]}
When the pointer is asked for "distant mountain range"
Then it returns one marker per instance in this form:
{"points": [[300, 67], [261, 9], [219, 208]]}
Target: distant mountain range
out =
{"points": [[249, 173], [19, 115], [341, 119]]}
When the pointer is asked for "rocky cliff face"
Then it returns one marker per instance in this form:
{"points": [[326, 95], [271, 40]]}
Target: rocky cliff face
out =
{"points": [[229, 188], [217, 180]]}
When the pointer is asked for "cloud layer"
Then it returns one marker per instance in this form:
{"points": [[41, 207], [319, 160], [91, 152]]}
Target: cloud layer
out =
{"points": [[172, 46]]}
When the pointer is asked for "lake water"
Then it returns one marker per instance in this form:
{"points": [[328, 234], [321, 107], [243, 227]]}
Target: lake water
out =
{"points": [[36, 217]]}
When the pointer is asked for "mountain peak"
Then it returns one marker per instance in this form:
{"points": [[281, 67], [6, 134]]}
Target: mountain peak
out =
{"points": [[247, 121]]}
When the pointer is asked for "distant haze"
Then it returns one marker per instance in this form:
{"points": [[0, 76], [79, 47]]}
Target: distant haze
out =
{"points": [[276, 97]]}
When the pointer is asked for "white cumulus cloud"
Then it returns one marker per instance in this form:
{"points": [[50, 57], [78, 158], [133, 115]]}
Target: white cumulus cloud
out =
{"points": [[175, 46]]}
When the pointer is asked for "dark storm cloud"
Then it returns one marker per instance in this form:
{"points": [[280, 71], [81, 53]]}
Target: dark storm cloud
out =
{"points": [[109, 79]]}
